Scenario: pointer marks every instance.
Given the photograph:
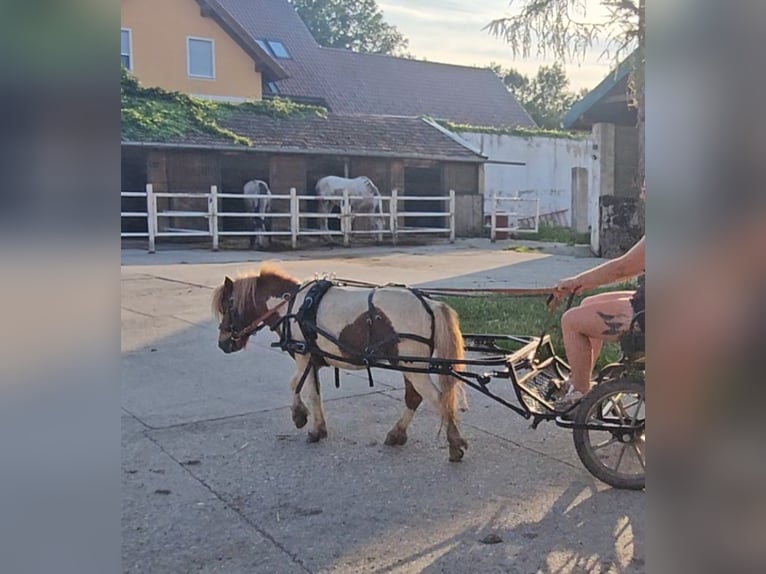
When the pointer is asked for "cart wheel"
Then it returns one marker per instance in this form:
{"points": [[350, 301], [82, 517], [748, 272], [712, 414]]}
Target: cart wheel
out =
{"points": [[616, 456]]}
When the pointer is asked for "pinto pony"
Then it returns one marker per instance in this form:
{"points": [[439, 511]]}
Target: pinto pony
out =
{"points": [[258, 200], [396, 322], [364, 197]]}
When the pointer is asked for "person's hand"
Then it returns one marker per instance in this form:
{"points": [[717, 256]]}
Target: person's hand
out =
{"points": [[567, 286]]}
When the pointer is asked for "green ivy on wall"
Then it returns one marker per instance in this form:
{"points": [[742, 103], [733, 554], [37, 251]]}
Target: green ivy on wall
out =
{"points": [[512, 131], [157, 115]]}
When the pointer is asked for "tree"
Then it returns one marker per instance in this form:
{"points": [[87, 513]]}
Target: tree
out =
{"points": [[557, 28], [356, 25], [546, 96]]}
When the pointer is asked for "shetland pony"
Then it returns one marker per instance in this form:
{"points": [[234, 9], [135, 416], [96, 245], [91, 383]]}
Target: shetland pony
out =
{"points": [[395, 322]]}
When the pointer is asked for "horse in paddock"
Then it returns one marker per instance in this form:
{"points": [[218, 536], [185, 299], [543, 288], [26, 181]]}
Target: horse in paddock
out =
{"points": [[364, 198], [259, 205], [338, 326]]}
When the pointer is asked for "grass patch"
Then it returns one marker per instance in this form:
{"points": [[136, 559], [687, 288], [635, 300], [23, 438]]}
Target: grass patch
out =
{"points": [[508, 315], [523, 249], [554, 234]]}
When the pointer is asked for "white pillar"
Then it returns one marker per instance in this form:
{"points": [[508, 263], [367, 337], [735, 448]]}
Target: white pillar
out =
{"points": [[294, 217], [452, 216], [212, 210], [345, 218], [151, 215]]}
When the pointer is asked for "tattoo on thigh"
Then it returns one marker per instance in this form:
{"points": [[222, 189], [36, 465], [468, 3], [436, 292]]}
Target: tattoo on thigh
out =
{"points": [[615, 324]]}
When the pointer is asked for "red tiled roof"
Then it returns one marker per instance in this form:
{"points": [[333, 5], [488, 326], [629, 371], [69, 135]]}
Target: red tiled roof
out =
{"points": [[353, 83]]}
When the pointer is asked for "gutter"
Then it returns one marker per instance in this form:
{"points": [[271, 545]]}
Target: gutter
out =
{"points": [[294, 151]]}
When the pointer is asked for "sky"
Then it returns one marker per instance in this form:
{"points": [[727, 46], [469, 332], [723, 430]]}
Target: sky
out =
{"points": [[450, 31]]}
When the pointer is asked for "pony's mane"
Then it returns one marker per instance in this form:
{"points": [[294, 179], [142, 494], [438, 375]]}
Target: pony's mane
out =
{"points": [[245, 285], [272, 269]]}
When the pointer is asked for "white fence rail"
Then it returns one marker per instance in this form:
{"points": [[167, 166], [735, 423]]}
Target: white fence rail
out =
{"points": [[521, 215], [392, 225]]}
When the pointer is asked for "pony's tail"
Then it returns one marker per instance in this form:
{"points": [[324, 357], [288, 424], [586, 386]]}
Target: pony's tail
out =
{"points": [[448, 344]]}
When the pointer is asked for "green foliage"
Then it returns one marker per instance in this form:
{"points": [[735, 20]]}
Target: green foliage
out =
{"points": [[546, 96], [157, 115], [557, 234], [356, 25], [512, 131], [563, 28]]}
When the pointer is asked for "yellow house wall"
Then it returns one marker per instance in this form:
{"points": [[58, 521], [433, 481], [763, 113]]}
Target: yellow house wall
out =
{"points": [[160, 29]]}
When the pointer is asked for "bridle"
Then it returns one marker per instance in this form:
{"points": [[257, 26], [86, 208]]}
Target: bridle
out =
{"points": [[256, 325]]}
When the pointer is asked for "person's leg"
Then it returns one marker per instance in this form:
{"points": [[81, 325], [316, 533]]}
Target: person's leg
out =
{"points": [[603, 297], [586, 327]]}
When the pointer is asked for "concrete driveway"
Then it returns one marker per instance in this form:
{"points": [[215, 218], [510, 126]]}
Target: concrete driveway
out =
{"points": [[217, 479]]}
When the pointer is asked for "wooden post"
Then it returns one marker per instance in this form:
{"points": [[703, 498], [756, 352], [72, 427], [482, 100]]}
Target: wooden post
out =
{"points": [[294, 217], [345, 218], [393, 209], [452, 216], [212, 210], [151, 215], [537, 213], [493, 217]]}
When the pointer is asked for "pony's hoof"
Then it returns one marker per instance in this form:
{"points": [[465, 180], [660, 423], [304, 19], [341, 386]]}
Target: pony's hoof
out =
{"points": [[396, 438], [457, 450], [316, 436], [300, 416]]}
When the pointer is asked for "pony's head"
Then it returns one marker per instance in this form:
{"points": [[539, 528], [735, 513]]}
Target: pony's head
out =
{"points": [[245, 305], [230, 305]]}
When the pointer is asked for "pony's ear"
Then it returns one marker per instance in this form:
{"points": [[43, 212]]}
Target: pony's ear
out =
{"points": [[228, 287]]}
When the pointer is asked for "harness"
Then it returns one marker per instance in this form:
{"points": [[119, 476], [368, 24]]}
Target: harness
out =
{"points": [[305, 318]]}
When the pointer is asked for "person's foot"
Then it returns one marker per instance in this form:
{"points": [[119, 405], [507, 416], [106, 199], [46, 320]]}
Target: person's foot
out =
{"points": [[569, 400], [567, 403]]}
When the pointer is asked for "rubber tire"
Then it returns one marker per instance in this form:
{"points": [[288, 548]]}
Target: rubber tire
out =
{"points": [[580, 435]]}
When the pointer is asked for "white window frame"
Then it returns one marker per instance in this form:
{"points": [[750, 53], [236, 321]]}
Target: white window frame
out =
{"points": [[281, 43], [211, 41], [130, 47]]}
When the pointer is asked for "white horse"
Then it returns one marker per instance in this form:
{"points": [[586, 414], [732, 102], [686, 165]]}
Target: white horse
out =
{"points": [[364, 198], [259, 205]]}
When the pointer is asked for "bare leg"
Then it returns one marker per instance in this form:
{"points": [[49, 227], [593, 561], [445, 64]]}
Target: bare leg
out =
{"points": [[398, 434], [586, 327]]}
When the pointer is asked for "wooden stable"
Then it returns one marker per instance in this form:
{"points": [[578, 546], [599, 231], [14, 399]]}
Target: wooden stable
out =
{"points": [[193, 170]]}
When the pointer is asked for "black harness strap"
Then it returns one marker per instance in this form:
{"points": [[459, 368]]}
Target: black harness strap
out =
{"points": [[306, 319]]}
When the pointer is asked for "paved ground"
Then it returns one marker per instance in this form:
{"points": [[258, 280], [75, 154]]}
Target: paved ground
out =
{"points": [[216, 478]]}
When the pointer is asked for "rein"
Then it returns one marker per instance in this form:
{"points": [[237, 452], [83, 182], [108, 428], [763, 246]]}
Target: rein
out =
{"points": [[260, 322], [450, 292], [519, 292]]}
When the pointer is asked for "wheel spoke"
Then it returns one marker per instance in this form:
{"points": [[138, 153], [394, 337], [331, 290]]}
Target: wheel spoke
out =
{"points": [[606, 443], [619, 459], [637, 411], [640, 455]]}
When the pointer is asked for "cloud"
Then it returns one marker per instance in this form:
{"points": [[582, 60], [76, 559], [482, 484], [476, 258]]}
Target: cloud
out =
{"points": [[450, 31]]}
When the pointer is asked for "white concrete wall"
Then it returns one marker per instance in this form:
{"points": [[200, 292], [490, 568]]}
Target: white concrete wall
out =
{"points": [[547, 170]]}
